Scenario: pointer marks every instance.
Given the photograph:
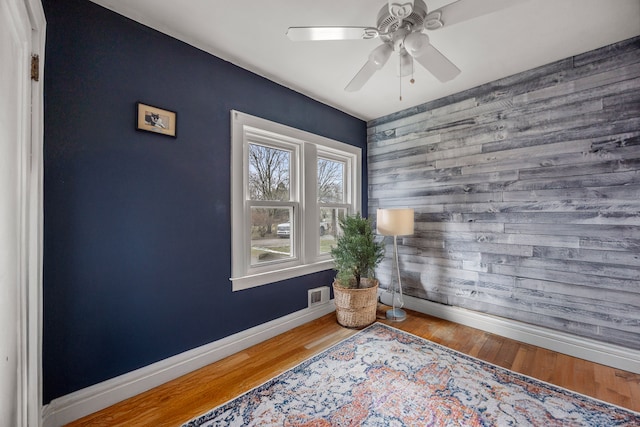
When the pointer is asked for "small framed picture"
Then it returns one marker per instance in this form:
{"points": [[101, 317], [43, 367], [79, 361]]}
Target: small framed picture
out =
{"points": [[157, 120]]}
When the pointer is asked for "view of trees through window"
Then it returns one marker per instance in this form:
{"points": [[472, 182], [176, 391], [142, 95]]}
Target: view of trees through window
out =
{"points": [[272, 227], [269, 173], [330, 181], [270, 180], [330, 192]]}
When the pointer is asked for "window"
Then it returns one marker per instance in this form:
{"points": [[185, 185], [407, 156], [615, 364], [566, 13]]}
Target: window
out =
{"points": [[333, 200], [288, 189]]}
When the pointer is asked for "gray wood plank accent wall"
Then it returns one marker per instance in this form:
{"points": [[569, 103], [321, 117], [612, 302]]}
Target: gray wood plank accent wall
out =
{"points": [[527, 195]]}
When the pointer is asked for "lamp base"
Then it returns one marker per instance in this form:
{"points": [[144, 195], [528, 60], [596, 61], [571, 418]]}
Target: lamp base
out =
{"points": [[396, 315]]}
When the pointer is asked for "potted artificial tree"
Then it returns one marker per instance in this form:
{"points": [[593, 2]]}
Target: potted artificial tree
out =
{"points": [[355, 288]]}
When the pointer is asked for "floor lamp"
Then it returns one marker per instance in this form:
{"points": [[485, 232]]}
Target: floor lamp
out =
{"points": [[395, 222]]}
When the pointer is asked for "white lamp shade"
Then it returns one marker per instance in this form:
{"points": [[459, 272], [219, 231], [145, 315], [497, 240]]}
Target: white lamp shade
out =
{"points": [[405, 65], [380, 55], [416, 44], [395, 222]]}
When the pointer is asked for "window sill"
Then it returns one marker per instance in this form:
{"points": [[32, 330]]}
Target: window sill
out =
{"points": [[246, 282]]}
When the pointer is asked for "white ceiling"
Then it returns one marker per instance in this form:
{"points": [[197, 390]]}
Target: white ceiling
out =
{"points": [[251, 34]]}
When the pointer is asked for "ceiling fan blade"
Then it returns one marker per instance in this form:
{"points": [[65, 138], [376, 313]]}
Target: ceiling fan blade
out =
{"points": [[365, 73], [298, 34], [437, 64], [464, 10], [377, 58]]}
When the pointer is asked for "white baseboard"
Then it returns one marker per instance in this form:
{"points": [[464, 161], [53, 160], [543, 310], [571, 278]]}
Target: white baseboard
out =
{"points": [[83, 402], [584, 348]]}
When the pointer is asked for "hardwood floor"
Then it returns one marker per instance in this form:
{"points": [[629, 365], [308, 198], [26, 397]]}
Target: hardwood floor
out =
{"points": [[180, 400]]}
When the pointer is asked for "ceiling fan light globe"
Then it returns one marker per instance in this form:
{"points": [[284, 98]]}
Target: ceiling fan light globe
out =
{"points": [[380, 55], [405, 65], [416, 44]]}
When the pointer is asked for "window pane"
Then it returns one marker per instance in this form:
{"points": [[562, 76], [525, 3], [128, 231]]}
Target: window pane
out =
{"points": [[271, 235], [269, 173], [329, 227], [330, 181]]}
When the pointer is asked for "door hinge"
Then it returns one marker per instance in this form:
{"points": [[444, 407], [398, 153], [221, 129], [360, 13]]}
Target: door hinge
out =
{"points": [[35, 67]]}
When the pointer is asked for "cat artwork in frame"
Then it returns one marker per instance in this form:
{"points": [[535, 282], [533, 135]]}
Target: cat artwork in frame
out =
{"points": [[156, 120]]}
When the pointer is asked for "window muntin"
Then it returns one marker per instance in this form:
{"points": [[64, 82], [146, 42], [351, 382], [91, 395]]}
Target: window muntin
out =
{"points": [[288, 189]]}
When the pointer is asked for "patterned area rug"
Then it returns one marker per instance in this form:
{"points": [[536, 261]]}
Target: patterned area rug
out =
{"points": [[386, 377]]}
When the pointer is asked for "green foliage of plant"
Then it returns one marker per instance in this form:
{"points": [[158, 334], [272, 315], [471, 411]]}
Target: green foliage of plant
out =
{"points": [[356, 253]]}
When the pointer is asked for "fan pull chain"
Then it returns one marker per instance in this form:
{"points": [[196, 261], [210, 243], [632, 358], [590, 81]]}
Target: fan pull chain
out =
{"points": [[400, 67]]}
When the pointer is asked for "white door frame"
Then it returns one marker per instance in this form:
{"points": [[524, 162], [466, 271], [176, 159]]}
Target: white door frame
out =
{"points": [[28, 20], [33, 293]]}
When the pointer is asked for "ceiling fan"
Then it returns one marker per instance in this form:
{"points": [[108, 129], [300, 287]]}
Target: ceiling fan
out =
{"points": [[400, 27]]}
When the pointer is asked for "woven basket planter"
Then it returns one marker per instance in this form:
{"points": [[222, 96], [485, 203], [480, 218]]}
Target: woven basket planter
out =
{"points": [[356, 308]]}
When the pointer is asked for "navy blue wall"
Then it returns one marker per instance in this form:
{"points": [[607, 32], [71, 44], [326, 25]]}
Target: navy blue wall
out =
{"points": [[137, 225]]}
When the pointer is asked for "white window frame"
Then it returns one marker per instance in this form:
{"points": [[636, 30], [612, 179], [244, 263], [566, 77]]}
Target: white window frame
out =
{"points": [[305, 148]]}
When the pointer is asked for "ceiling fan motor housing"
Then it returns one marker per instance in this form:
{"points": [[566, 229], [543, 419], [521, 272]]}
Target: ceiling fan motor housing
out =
{"points": [[388, 24]]}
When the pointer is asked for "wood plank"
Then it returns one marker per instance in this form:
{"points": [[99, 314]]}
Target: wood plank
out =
{"points": [[390, 175], [582, 171], [402, 143], [545, 364], [507, 353], [580, 230], [588, 126], [573, 146], [426, 153], [421, 201], [588, 255], [602, 149], [626, 192], [563, 100], [553, 308], [455, 227], [456, 120], [488, 129], [612, 243], [578, 297], [595, 269], [587, 82], [616, 219], [546, 317], [572, 205], [436, 180], [630, 46], [466, 190], [431, 114], [612, 179], [575, 295], [566, 277], [488, 92]]}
